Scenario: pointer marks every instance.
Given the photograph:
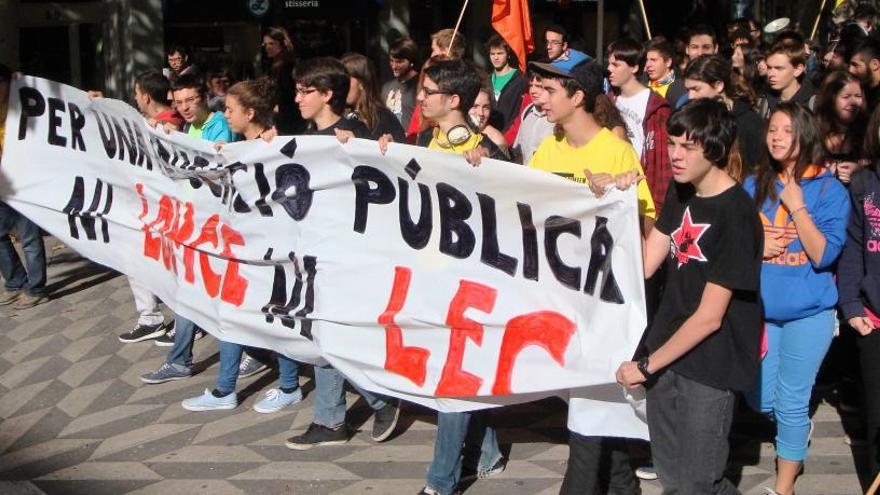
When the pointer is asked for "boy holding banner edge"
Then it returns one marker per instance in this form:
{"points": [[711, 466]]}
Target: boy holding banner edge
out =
{"points": [[25, 285], [569, 99], [448, 92]]}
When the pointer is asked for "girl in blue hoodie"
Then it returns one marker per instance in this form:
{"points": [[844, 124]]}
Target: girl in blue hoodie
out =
{"points": [[804, 210]]}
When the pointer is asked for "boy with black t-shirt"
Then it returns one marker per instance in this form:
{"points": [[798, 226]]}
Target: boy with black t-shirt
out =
{"points": [[321, 88], [705, 338]]}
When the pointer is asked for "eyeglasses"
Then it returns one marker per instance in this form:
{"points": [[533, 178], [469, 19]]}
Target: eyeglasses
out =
{"points": [[305, 91], [438, 91]]}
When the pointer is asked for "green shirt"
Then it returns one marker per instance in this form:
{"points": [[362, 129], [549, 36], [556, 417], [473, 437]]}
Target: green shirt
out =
{"points": [[196, 132], [498, 82]]}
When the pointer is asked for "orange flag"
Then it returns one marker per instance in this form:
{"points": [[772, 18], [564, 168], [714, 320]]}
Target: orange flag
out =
{"points": [[512, 21]]}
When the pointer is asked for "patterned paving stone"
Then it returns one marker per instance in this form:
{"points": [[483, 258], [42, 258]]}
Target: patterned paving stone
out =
{"points": [[75, 418], [104, 471]]}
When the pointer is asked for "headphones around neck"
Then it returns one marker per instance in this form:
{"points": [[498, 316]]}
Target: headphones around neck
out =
{"points": [[457, 136]]}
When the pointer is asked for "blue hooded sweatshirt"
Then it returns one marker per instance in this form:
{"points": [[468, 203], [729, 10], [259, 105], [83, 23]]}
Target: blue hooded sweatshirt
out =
{"points": [[574, 58], [792, 285]]}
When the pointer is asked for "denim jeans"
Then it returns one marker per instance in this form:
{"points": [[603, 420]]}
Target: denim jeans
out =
{"points": [[795, 351], [32, 276], [181, 353], [598, 465], [460, 435], [330, 397], [689, 423], [230, 358]]}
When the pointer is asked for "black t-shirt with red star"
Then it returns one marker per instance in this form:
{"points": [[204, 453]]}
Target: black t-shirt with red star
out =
{"points": [[718, 239]]}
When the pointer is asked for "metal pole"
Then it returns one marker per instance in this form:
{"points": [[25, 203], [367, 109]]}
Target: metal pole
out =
{"points": [[457, 25], [600, 31], [645, 19], [816, 24]]}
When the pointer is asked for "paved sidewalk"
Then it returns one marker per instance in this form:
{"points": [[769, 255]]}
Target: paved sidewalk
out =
{"points": [[74, 418]]}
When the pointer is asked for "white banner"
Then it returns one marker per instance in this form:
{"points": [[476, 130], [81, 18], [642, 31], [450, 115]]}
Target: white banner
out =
{"points": [[413, 273]]}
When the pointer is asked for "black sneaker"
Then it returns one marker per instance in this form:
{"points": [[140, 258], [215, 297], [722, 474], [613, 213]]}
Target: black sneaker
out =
{"points": [[496, 468], [469, 473], [427, 490], [142, 333], [385, 420], [167, 340], [317, 435]]}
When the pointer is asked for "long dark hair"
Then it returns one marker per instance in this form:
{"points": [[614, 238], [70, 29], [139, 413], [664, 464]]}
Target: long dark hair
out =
{"points": [[286, 57], [368, 105], [805, 139], [826, 112], [712, 69]]}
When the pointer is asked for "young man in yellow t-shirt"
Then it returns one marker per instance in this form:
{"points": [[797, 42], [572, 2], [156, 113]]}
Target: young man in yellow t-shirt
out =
{"points": [[583, 146], [584, 151], [448, 92]]}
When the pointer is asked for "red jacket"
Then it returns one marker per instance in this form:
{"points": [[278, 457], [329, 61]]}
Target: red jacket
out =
{"points": [[510, 133], [655, 156]]}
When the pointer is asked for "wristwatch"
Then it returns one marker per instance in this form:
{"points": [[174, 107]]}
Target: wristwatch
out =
{"points": [[643, 367]]}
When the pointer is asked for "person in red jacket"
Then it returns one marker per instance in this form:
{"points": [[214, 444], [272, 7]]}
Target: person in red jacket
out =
{"points": [[645, 113]]}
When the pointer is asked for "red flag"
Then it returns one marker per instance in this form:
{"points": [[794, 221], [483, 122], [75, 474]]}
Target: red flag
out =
{"points": [[512, 21]]}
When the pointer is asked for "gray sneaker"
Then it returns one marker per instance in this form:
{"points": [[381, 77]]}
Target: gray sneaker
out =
{"points": [[9, 296], [250, 366], [26, 301], [166, 373]]}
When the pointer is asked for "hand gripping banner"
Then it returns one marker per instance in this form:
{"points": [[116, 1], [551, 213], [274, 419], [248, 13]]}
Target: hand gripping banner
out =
{"points": [[413, 273]]}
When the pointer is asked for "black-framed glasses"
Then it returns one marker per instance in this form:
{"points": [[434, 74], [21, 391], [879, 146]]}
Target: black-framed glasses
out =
{"points": [[438, 91], [305, 91]]}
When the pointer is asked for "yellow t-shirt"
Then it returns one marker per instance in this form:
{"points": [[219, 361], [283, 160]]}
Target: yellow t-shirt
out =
{"points": [[605, 153]]}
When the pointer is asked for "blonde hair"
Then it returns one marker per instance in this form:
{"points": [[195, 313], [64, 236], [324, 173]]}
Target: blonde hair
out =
{"points": [[444, 38]]}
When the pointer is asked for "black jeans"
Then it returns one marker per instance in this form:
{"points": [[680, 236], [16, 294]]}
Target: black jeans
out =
{"points": [[869, 356], [689, 423], [598, 465]]}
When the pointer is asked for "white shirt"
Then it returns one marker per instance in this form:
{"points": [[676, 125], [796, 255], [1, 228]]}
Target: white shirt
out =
{"points": [[633, 110], [533, 129]]}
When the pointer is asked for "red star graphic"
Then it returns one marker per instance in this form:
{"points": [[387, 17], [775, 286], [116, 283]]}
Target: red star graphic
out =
{"points": [[685, 240]]}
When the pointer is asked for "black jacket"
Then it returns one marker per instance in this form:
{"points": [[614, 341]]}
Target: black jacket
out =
{"points": [[806, 96], [510, 100], [676, 91], [858, 270], [749, 134]]}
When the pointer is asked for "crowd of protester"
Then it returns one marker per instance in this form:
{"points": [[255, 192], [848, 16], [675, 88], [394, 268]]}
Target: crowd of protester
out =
{"points": [[754, 156]]}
